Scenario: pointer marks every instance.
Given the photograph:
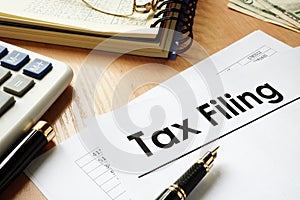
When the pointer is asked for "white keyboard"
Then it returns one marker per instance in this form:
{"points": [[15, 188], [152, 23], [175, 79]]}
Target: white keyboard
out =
{"points": [[29, 85]]}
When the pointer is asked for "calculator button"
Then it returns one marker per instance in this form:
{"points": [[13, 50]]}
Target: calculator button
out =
{"points": [[18, 85], [15, 60], [4, 75], [37, 68], [3, 51], [6, 101]]}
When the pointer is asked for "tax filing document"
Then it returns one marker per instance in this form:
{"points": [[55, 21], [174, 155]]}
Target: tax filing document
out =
{"points": [[244, 98]]}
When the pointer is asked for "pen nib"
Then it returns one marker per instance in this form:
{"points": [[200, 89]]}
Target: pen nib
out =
{"points": [[214, 152], [208, 159]]}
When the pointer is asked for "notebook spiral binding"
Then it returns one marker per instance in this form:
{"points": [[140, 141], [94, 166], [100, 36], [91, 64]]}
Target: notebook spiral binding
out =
{"points": [[184, 15]]}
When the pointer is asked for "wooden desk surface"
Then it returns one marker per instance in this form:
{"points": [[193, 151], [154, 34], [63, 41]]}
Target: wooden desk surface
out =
{"points": [[215, 27]]}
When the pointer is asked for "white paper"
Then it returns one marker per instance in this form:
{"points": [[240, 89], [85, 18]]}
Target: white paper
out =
{"points": [[66, 172]]}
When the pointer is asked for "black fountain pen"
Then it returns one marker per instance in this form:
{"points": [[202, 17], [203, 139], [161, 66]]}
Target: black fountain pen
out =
{"points": [[24, 152], [190, 179]]}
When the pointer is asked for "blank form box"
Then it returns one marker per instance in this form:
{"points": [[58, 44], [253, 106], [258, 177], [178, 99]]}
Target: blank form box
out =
{"points": [[91, 166], [104, 177], [122, 196], [110, 184], [116, 192], [84, 160], [98, 171], [270, 52]]}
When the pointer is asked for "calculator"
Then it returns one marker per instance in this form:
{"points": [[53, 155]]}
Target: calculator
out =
{"points": [[29, 85]]}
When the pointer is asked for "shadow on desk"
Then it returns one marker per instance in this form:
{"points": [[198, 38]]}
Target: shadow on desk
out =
{"points": [[14, 188], [59, 106]]}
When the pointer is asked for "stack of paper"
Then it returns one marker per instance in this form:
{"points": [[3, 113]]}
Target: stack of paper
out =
{"points": [[285, 13], [259, 139]]}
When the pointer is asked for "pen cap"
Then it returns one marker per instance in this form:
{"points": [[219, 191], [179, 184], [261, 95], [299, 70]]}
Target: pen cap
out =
{"points": [[45, 128]]}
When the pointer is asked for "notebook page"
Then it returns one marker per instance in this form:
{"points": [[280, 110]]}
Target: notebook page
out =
{"points": [[74, 14]]}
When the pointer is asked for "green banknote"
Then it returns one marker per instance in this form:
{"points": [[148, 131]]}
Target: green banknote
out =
{"points": [[288, 10], [257, 10]]}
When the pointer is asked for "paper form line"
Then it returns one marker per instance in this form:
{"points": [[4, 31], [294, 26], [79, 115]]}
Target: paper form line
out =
{"points": [[257, 55], [214, 140], [95, 165]]}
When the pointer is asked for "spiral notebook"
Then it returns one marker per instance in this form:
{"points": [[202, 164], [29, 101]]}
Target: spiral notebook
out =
{"points": [[164, 32]]}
